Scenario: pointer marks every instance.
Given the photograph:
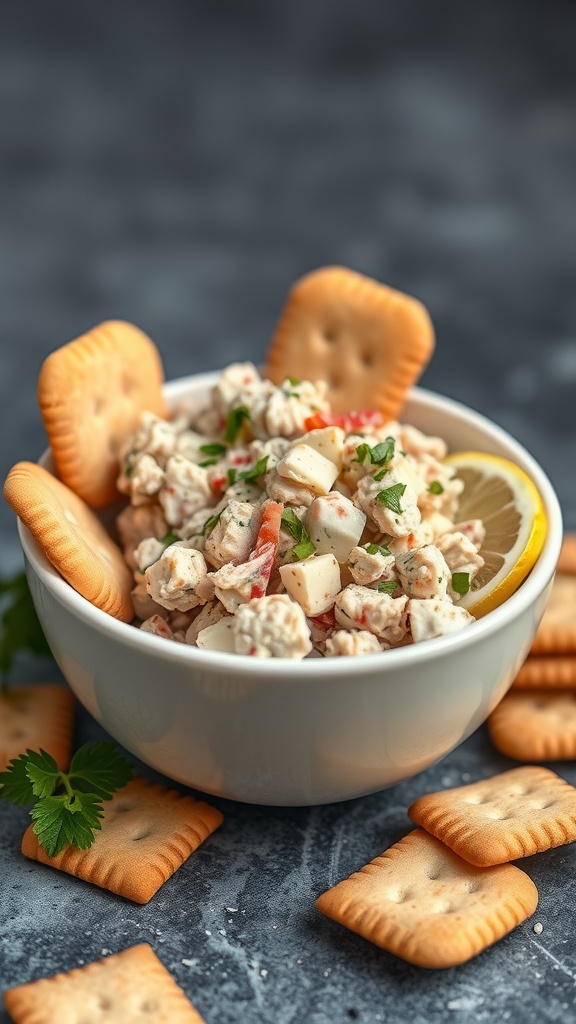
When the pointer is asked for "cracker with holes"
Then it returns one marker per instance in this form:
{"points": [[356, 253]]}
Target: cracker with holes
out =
{"points": [[556, 633], [92, 392], [514, 814], [535, 725], [423, 903], [34, 718], [553, 672], [121, 989], [368, 341], [148, 831], [72, 538]]}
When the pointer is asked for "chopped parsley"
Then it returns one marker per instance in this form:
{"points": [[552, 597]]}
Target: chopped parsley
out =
{"points": [[294, 381], [211, 522], [213, 449], [292, 525], [169, 538], [390, 497], [208, 462], [258, 470], [387, 587], [461, 582], [234, 422], [377, 549], [379, 455], [231, 476], [436, 487]]}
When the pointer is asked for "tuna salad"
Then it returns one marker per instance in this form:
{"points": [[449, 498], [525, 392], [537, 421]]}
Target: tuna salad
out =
{"points": [[266, 525]]}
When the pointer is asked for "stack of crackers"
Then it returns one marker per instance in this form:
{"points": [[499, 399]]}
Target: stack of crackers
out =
{"points": [[536, 720]]}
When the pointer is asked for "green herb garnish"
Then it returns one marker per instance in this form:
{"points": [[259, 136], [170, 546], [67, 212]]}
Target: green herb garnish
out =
{"points": [[231, 476], [67, 805], [211, 522], [169, 538], [234, 422], [461, 582], [377, 549], [436, 487], [258, 470], [20, 628], [294, 381], [292, 525], [379, 455], [387, 587], [213, 449], [207, 462], [390, 497]]}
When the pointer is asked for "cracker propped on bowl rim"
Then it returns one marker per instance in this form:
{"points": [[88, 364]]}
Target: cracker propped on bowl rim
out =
{"points": [[91, 393], [369, 342]]}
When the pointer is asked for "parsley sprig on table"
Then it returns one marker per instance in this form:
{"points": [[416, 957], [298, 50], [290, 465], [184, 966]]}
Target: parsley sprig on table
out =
{"points": [[67, 805], [20, 629]]}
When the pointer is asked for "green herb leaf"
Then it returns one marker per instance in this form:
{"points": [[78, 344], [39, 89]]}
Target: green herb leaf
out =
{"points": [[231, 475], [169, 538], [291, 524], [20, 627], [68, 805], [461, 582], [390, 497], [207, 462], [213, 449], [234, 422], [379, 455], [436, 487], [258, 470], [294, 381], [377, 549], [363, 452], [304, 549], [387, 586], [211, 522]]}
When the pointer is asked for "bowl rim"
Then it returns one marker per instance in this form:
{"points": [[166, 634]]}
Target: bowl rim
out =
{"points": [[317, 668]]}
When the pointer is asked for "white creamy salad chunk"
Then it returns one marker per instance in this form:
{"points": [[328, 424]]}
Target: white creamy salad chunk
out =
{"points": [[267, 526]]}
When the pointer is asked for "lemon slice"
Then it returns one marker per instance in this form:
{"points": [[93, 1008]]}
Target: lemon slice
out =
{"points": [[507, 501]]}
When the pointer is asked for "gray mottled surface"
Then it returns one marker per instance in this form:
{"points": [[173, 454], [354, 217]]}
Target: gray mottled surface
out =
{"points": [[179, 164]]}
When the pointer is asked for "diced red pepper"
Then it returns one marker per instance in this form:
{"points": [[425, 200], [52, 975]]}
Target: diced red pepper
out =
{"points": [[266, 545], [351, 422]]}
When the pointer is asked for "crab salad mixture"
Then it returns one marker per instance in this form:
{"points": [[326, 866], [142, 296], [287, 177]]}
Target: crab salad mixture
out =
{"points": [[265, 525]]}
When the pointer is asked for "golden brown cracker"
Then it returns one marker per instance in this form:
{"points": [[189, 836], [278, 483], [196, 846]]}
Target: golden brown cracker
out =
{"points": [[567, 560], [423, 903], [148, 831], [368, 341], [514, 814], [556, 633], [535, 725], [126, 988], [553, 672], [71, 537], [34, 718], [91, 394]]}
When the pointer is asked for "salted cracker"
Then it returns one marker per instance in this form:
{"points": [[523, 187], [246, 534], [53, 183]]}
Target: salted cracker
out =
{"points": [[535, 725], [550, 672], [130, 987], [567, 560], [92, 392], [36, 717], [72, 538], [368, 341], [556, 633], [510, 815], [423, 903], [148, 831]]}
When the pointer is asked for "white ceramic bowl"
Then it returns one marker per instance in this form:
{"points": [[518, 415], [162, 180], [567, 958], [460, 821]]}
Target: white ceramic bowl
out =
{"points": [[305, 732]]}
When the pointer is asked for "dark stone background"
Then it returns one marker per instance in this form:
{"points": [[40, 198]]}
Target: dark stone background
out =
{"points": [[179, 164]]}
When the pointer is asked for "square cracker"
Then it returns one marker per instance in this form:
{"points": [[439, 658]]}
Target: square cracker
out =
{"points": [[514, 814], [556, 633], [369, 342], [34, 718], [423, 903], [535, 725], [131, 987], [147, 832]]}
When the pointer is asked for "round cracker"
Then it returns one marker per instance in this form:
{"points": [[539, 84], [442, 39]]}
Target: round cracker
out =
{"points": [[369, 342], [92, 392], [71, 537]]}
